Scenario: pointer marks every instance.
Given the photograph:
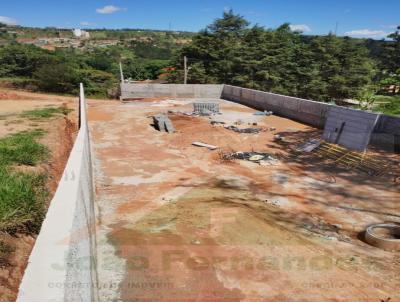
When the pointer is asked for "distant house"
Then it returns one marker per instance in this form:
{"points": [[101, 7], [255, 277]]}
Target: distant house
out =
{"points": [[41, 42], [79, 33], [14, 33]]}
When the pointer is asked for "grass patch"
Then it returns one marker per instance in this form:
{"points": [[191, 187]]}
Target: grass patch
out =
{"points": [[5, 251], [22, 197], [390, 104], [22, 194], [45, 113], [22, 148]]}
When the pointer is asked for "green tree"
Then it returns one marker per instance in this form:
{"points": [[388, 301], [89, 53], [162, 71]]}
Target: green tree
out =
{"points": [[57, 77], [281, 61], [390, 61], [344, 67], [21, 60], [97, 82], [393, 52], [215, 49]]}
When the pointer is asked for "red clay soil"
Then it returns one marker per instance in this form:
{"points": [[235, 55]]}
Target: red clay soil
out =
{"points": [[59, 137], [177, 224], [12, 94]]}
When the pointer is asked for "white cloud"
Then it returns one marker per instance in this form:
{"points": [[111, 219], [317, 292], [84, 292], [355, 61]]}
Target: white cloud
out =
{"points": [[300, 27], [367, 33], [108, 9], [8, 20]]}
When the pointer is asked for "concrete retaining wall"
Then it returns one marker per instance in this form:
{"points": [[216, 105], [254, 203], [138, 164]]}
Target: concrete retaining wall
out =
{"points": [[62, 265], [386, 134], [135, 91], [305, 111], [349, 128]]}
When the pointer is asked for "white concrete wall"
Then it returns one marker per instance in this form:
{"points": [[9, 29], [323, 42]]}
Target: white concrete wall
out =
{"points": [[62, 265]]}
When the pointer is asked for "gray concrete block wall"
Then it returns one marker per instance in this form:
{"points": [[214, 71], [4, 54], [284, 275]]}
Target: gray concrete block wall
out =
{"points": [[386, 134], [306, 111], [349, 128], [136, 91], [389, 124]]}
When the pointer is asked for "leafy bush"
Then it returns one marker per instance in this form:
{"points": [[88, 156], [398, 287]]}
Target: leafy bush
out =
{"points": [[21, 60], [388, 104], [58, 77], [97, 82]]}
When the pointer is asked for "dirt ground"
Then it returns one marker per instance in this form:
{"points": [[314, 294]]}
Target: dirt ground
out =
{"points": [[59, 136], [179, 224]]}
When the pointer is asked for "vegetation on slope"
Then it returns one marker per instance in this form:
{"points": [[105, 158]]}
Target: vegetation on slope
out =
{"points": [[230, 50], [22, 193], [144, 54]]}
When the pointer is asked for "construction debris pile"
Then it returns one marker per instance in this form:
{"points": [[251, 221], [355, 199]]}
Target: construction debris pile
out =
{"points": [[309, 146], [265, 159], [246, 130]]}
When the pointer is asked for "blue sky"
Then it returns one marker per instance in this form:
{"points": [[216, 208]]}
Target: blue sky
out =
{"points": [[362, 18]]}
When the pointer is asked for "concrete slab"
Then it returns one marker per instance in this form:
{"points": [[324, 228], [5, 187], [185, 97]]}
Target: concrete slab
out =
{"points": [[178, 224]]}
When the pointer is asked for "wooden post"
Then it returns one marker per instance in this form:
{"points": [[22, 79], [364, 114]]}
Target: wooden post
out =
{"points": [[186, 71]]}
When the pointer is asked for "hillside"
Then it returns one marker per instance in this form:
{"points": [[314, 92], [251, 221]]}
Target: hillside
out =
{"points": [[52, 38], [56, 60]]}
